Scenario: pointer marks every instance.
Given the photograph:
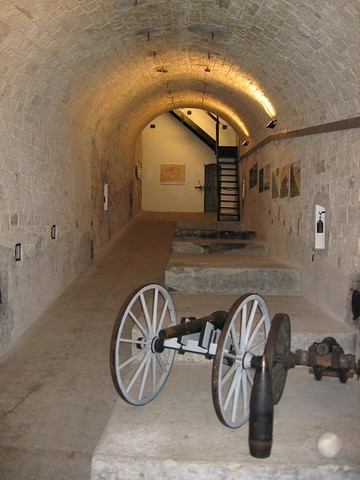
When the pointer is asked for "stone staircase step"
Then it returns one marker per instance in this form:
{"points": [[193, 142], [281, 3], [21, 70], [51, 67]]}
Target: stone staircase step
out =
{"points": [[215, 229], [213, 233], [221, 225], [219, 246], [231, 275]]}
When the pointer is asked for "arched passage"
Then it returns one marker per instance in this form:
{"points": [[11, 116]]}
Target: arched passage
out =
{"points": [[80, 80]]}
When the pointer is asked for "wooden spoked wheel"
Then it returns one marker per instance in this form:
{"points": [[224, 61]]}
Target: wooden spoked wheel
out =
{"points": [[277, 353], [138, 369], [243, 337]]}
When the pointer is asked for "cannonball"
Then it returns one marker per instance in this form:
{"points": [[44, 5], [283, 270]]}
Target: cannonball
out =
{"points": [[329, 444]]}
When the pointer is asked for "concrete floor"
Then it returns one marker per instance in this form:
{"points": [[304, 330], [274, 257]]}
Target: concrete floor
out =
{"points": [[56, 392]]}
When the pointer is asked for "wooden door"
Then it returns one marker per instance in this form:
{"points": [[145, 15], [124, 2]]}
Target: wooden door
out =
{"points": [[210, 188]]}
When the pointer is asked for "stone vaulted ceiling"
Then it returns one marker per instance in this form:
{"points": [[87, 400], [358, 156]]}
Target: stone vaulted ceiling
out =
{"points": [[123, 62]]}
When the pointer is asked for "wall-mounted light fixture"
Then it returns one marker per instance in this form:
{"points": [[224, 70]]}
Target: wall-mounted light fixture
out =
{"points": [[53, 232], [245, 143], [161, 70], [272, 124], [18, 252]]}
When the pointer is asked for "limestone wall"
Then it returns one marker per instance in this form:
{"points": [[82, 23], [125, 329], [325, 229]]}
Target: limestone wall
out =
{"points": [[330, 176], [52, 172]]}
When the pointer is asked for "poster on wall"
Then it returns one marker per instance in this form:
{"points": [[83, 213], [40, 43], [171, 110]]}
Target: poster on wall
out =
{"points": [[267, 177], [261, 180], [275, 183], [295, 179], [253, 176], [284, 181], [172, 174]]}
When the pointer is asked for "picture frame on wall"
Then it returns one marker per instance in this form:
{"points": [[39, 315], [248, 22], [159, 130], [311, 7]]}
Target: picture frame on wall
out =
{"points": [[284, 181], [172, 174], [267, 177], [275, 183], [253, 176], [261, 180], [295, 171]]}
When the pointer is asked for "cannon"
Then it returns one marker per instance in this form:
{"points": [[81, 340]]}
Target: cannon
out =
{"points": [[251, 356]]}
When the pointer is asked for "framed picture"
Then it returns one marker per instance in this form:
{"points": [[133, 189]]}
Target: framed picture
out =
{"points": [[267, 177], [261, 180], [275, 183], [295, 170], [172, 174], [284, 181], [253, 176]]}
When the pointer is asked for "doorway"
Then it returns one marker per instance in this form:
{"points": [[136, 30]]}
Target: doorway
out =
{"points": [[211, 188]]}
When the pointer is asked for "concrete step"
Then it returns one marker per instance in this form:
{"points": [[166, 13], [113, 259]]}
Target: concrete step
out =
{"points": [[178, 435], [213, 233], [231, 275], [219, 226], [214, 229], [220, 247], [309, 324]]}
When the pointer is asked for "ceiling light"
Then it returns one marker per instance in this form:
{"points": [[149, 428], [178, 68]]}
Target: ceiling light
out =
{"points": [[161, 70], [245, 143], [272, 124]]}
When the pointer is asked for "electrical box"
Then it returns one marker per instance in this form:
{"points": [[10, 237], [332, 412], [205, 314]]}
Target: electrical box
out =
{"points": [[320, 224]]}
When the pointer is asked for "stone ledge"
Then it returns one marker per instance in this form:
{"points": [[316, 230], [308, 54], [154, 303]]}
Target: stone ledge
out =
{"points": [[178, 434]]}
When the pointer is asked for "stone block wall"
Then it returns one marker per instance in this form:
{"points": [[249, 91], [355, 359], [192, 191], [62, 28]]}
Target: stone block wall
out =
{"points": [[330, 176], [55, 176]]}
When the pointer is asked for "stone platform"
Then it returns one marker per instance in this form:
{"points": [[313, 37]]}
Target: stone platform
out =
{"points": [[231, 274], [178, 434], [223, 247]]}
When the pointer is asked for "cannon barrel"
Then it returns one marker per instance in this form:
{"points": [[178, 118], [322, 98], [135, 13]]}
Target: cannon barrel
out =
{"points": [[326, 346], [194, 326]]}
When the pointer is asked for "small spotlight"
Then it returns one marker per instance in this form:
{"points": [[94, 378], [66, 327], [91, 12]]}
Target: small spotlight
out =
{"points": [[207, 69], [272, 124], [245, 143], [53, 232], [18, 252]]}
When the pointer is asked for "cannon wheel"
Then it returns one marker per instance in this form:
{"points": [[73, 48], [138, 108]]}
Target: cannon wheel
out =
{"points": [[277, 352], [243, 336], [138, 370]]}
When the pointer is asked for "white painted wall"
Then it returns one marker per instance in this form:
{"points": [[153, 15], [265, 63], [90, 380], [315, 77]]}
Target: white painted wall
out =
{"points": [[172, 143], [227, 136]]}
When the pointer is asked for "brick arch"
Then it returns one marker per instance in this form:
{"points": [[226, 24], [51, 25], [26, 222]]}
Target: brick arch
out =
{"points": [[80, 79]]}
